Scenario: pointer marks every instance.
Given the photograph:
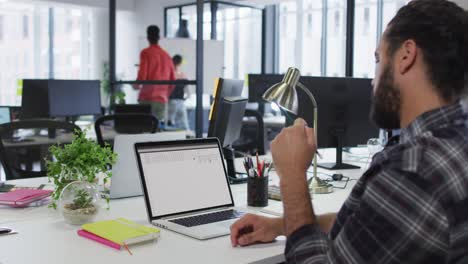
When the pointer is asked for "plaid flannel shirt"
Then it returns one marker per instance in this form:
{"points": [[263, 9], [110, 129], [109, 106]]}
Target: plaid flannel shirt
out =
{"points": [[410, 206]]}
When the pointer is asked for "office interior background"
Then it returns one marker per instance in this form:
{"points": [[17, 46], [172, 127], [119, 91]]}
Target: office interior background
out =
{"points": [[69, 39]]}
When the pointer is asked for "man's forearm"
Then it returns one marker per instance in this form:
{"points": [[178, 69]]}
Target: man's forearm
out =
{"points": [[297, 205]]}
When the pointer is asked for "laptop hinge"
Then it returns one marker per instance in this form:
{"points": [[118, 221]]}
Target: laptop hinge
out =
{"points": [[195, 213]]}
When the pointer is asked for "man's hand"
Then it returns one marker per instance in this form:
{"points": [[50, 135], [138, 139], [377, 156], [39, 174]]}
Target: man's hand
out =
{"points": [[293, 150], [254, 228]]}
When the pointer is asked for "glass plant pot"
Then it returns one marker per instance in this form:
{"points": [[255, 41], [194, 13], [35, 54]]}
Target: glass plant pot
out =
{"points": [[79, 202]]}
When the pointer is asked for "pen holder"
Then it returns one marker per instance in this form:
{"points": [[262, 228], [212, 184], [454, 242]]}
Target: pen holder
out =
{"points": [[257, 191]]}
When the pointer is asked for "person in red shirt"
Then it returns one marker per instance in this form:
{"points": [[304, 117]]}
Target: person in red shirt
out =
{"points": [[155, 64]]}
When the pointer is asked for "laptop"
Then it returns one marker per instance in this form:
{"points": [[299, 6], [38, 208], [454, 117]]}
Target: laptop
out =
{"points": [[125, 181], [186, 187], [5, 115]]}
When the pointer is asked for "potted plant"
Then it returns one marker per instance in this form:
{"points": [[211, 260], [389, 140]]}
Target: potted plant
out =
{"points": [[82, 160], [79, 202]]}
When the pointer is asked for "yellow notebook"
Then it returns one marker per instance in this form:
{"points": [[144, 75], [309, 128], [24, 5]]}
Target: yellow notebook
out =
{"points": [[122, 231]]}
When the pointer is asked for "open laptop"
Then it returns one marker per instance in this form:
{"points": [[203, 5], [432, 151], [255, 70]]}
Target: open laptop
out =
{"points": [[125, 180], [186, 188], [5, 115]]}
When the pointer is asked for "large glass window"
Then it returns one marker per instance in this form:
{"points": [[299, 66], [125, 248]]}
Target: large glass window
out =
{"points": [[239, 27], [24, 49], [365, 38], [367, 34], [72, 44], [308, 44], [336, 38], [25, 45]]}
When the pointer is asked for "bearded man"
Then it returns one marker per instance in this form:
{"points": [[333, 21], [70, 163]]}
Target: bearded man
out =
{"points": [[411, 205]]}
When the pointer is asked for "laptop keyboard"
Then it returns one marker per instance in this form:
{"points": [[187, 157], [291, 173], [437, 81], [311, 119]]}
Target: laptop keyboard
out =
{"points": [[208, 218]]}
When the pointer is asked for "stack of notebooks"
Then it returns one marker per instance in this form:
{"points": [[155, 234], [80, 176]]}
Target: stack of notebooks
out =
{"points": [[23, 197], [118, 233]]}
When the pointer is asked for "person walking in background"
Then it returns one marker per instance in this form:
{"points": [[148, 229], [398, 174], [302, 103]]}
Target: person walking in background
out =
{"points": [[177, 110], [155, 64]]}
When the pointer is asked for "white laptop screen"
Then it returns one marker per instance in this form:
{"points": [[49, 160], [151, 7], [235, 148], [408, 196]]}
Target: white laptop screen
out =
{"points": [[4, 115], [183, 177]]}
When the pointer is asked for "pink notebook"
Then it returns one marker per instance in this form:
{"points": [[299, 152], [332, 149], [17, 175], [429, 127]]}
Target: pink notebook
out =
{"points": [[23, 197], [98, 239]]}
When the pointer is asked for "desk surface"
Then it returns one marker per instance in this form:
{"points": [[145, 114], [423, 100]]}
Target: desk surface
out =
{"points": [[43, 237]]}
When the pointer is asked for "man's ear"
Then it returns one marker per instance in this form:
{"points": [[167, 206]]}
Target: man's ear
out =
{"points": [[406, 56]]}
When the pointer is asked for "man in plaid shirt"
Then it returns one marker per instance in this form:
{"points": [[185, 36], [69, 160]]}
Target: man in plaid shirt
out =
{"points": [[411, 206]]}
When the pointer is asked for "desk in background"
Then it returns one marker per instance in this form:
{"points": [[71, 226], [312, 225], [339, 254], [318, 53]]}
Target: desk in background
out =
{"points": [[43, 236]]}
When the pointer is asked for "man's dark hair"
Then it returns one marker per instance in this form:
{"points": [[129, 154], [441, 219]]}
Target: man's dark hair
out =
{"points": [[440, 30], [177, 59], [152, 33]]}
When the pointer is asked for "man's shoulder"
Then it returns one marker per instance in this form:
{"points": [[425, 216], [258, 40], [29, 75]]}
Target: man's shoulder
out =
{"points": [[439, 156]]}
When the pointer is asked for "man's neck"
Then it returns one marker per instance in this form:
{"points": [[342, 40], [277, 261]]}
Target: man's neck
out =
{"points": [[416, 104]]}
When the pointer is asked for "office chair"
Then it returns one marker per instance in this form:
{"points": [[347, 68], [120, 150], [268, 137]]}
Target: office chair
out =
{"points": [[131, 123], [21, 147]]}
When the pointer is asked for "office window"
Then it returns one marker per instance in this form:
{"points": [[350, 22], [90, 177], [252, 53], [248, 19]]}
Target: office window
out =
{"points": [[172, 22], [365, 38], [22, 56], [336, 40], [72, 44], [2, 22], [307, 52], [366, 33], [25, 26], [189, 13], [240, 28], [312, 43], [289, 46]]}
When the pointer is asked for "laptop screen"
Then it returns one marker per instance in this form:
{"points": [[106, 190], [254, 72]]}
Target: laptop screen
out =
{"points": [[5, 116], [183, 176]]}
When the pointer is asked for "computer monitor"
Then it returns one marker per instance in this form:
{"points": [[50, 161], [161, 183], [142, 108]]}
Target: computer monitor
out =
{"points": [[343, 114], [343, 110], [5, 115], [223, 88], [127, 126], [226, 115], [259, 83], [35, 99], [132, 108], [71, 98], [227, 129]]}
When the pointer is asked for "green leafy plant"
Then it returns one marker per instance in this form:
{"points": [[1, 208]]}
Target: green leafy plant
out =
{"points": [[82, 200], [81, 160]]}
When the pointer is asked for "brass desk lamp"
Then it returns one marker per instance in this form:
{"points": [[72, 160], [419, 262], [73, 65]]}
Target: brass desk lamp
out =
{"points": [[284, 95]]}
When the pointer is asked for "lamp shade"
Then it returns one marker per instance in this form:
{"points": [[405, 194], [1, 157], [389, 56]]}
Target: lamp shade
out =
{"points": [[284, 93]]}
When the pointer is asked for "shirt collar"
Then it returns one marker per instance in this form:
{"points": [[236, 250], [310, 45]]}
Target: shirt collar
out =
{"points": [[437, 118]]}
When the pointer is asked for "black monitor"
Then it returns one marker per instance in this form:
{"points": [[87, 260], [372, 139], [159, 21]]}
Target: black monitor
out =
{"points": [[259, 83], [132, 109], [71, 98], [226, 115], [343, 114], [223, 88], [227, 129], [126, 126], [35, 99], [343, 110]]}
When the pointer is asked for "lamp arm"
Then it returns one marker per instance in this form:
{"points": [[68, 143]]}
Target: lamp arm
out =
{"points": [[314, 103], [309, 93]]}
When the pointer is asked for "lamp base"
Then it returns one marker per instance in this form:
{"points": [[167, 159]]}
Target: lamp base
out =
{"points": [[320, 187]]}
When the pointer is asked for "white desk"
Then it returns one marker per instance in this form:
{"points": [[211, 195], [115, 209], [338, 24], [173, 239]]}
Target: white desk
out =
{"points": [[44, 237]]}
